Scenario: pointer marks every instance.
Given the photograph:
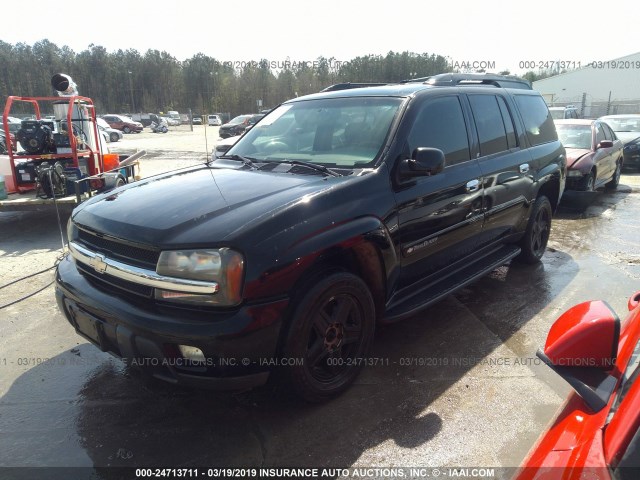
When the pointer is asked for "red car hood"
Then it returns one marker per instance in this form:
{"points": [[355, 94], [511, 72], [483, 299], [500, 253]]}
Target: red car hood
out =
{"points": [[574, 155]]}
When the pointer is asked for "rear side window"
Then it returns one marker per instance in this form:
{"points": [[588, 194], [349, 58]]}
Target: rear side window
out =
{"points": [[489, 123], [537, 119], [440, 124]]}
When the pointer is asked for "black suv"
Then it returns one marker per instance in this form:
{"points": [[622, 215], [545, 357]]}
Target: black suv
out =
{"points": [[337, 212], [238, 125]]}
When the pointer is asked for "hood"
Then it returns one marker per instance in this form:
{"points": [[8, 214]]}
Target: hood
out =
{"points": [[196, 206], [576, 157], [627, 137]]}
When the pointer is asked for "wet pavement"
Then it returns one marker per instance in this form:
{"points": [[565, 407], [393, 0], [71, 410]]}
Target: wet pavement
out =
{"points": [[456, 385]]}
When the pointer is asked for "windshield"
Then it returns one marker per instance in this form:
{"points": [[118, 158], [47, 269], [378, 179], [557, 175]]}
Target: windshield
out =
{"points": [[334, 132], [624, 124], [575, 136]]}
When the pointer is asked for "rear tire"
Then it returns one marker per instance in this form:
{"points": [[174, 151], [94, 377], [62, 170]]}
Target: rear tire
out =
{"points": [[536, 236], [331, 331], [114, 137], [126, 130]]}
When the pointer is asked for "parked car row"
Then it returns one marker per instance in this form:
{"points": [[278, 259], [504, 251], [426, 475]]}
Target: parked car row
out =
{"points": [[598, 150]]}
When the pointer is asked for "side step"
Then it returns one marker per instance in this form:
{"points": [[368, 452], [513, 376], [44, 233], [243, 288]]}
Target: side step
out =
{"points": [[449, 284]]}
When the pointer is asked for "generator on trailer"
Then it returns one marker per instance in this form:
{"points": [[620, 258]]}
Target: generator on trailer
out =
{"points": [[59, 159]]}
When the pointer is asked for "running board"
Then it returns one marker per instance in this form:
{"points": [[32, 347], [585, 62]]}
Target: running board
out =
{"points": [[448, 285]]}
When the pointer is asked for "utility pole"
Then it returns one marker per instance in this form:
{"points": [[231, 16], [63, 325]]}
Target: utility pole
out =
{"points": [[133, 104]]}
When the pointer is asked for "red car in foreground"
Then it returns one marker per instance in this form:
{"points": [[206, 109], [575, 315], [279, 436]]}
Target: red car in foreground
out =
{"points": [[596, 436]]}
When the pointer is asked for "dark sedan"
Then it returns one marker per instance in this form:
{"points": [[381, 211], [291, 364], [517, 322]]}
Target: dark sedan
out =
{"points": [[238, 125], [594, 154], [627, 129]]}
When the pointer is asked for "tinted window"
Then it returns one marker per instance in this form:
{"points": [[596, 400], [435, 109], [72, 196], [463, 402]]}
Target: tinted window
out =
{"points": [[537, 120], [508, 123], [599, 134], [606, 132], [440, 124], [489, 123]]}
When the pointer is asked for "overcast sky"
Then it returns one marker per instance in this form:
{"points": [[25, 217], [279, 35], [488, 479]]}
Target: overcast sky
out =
{"points": [[503, 32]]}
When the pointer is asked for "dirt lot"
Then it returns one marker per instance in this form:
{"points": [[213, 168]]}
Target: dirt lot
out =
{"points": [[65, 403]]}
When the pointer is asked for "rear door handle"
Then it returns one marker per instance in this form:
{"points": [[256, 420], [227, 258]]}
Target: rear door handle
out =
{"points": [[473, 185], [524, 168]]}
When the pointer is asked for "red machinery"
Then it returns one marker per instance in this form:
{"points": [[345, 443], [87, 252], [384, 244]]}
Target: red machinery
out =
{"points": [[60, 150]]}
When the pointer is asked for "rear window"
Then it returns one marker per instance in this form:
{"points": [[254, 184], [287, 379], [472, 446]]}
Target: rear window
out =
{"points": [[537, 119]]}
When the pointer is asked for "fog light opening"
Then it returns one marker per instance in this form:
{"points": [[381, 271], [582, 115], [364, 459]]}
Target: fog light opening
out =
{"points": [[193, 354]]}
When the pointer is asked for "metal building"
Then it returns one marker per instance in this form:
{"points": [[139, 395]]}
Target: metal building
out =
{"points": [[600, 88]]}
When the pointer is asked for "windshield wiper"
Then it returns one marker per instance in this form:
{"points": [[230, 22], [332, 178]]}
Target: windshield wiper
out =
{"points": [[314, 166], [245, 160]]}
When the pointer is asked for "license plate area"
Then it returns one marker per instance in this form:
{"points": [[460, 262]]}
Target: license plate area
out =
{"points": [[86, 325]]}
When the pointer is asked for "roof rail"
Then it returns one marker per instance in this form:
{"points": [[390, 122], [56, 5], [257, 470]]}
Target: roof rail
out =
{"points": [[349, 85], [451, 79]]}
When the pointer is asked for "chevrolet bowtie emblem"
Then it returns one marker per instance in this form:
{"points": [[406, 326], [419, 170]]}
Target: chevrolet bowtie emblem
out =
{"points": [[98, 263]]}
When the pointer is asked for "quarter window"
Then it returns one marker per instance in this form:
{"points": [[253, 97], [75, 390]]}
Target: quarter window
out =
{"points": [[440, 124], [537, 119]]}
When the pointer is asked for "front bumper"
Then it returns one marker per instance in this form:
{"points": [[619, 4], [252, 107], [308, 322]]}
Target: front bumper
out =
{"points": [[575, 182], [239, 345]]}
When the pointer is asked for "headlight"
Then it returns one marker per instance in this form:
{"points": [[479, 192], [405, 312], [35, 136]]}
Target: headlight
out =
{"points": [[70, 230], [222, 266], [574, 173]]}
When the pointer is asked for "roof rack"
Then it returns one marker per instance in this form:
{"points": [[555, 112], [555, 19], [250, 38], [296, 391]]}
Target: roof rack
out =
{"points": [[451, 79], [349, 85]]}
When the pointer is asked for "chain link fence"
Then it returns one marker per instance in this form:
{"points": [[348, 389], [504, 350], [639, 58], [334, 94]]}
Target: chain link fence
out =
{"points": [[590, 107]]}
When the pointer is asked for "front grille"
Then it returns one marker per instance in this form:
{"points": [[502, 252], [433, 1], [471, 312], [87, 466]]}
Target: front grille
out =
{"points": [[132, 255], [108, 282]]}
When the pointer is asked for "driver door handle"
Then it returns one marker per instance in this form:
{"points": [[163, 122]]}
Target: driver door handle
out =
{"points": [[473, 185]]}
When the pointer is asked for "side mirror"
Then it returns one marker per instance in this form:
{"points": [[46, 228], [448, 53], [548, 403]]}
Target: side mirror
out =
{"points": [[582, 345], [424, 162], [605, 144]]}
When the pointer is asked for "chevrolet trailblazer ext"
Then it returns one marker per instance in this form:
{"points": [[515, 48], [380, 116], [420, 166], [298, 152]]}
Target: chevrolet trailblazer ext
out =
{"points": [[336, 212]]}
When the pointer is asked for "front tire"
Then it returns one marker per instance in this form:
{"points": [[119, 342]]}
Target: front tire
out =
{"points": [[114, 137], [126, 130], [588, 182], [330, 333], [536, 237]]}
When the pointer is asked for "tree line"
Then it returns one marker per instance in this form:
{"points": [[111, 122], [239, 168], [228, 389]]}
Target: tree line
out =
{"points": [[127, 81]]}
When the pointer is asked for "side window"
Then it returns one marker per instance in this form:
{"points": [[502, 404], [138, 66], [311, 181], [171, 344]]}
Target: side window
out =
{"points": [[508, 123], [440, 124], [605, 132], [488, 120], [610, 134], [537, 119], [599, 134]]}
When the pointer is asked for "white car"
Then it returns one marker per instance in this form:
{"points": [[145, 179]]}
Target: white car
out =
{"points": [[214, 120], [222, 146], [172, 122], [110, 134]]}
